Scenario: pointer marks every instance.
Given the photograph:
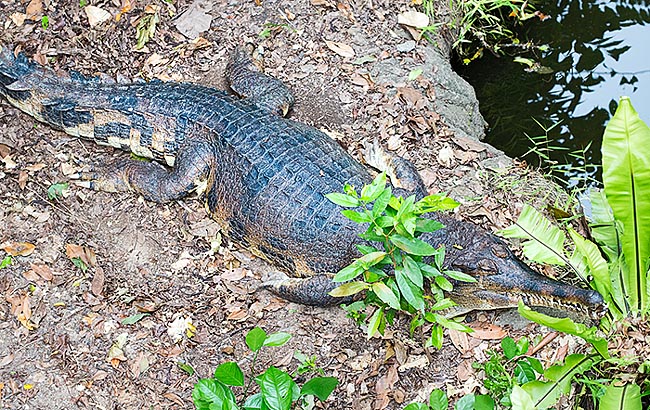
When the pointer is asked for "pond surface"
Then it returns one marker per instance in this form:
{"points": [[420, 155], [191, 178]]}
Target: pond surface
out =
{"points": [[598, 51]]}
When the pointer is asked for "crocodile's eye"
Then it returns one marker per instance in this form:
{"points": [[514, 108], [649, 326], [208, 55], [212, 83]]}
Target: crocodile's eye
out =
{"points": [[500, 250], [487, 265]]}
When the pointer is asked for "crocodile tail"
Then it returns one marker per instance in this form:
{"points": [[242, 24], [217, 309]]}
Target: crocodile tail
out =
{"points": [[13, 69]]}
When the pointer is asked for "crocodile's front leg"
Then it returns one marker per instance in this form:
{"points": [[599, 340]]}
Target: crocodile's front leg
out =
{"points": [[153, 181], [312, 291]]}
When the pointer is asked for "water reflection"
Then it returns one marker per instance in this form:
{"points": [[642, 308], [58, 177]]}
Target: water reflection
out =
{"points": [[598, 51]]}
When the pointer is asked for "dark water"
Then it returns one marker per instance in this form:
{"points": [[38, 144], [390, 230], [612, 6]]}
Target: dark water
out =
{"points": [[598, 51]]}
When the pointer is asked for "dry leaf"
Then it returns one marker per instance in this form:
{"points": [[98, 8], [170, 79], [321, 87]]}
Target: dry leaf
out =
{"points": [[34, 10], [238, 314], [140, 365], [459, 340], [84, 253], [488, 331], [7, 359], [18, 18], [20, 307], [35, 167], [195, 19], [413, 18], [465, 370], [9, 163], [97, 285], [127, 5], [43, 271], [22, 179], [96, 15], [18, 248], [341, 49], [234, 274], [384, 386]]}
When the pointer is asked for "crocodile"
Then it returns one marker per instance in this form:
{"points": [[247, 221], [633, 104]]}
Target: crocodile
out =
{"points": [[263, 177]]}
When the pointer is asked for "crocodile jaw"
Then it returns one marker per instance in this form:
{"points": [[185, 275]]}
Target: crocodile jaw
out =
{"points": [[514, 282]]}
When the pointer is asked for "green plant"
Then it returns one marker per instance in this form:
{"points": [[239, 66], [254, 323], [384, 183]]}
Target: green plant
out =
{"points": [[45, 22], [6, 261], [483, 25], [616, 265], [277, 389], [397, 278]]}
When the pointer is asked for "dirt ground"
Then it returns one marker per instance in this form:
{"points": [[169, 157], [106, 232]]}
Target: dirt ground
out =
{"points": [[70, 348]]}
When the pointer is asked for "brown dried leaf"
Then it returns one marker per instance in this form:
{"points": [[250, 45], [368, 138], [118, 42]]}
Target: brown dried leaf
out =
{"points": [[97, 284], [43, 271], [34, 10], [384, 386], [341, 49], [195, 20], [18, 18], [7, 359], [234, 274], [176, 399], [22, 179], [459, 340], [35, 167], [18, 248], [96, 15], [487, 331], [84, 253], [413, 19], [465, 370], [238, 314]]}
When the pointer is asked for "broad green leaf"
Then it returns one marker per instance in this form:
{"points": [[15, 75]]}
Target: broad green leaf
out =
{"points": [[277, 339], [436, 202], [460, 276], [438, 400], [443, 283], [410, 291], [349, 288], [255, 339], [427, 225], [381, 202], [414, 246], [133, 319], [374, 322], [546, 394], [371, 259], [320, 387], [465, 403], [229, 374], [385, 294], [603, 226], [255, 402], [520, 399], [277, 388], [417, 406], [543, 241], [412, 269], [566, 325], [436, 336], [210, 393], [372, 191], [626, 177], [442, 304], [524, 372], [598, 268], [450, 324], [344, 200], [349, 272], [484, 402], [415, 73], [625, 397], [358, 217], [509, 347]]}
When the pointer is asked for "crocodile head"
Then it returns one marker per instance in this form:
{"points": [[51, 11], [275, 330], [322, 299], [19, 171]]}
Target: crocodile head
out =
{"points": [[502, 280]]}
